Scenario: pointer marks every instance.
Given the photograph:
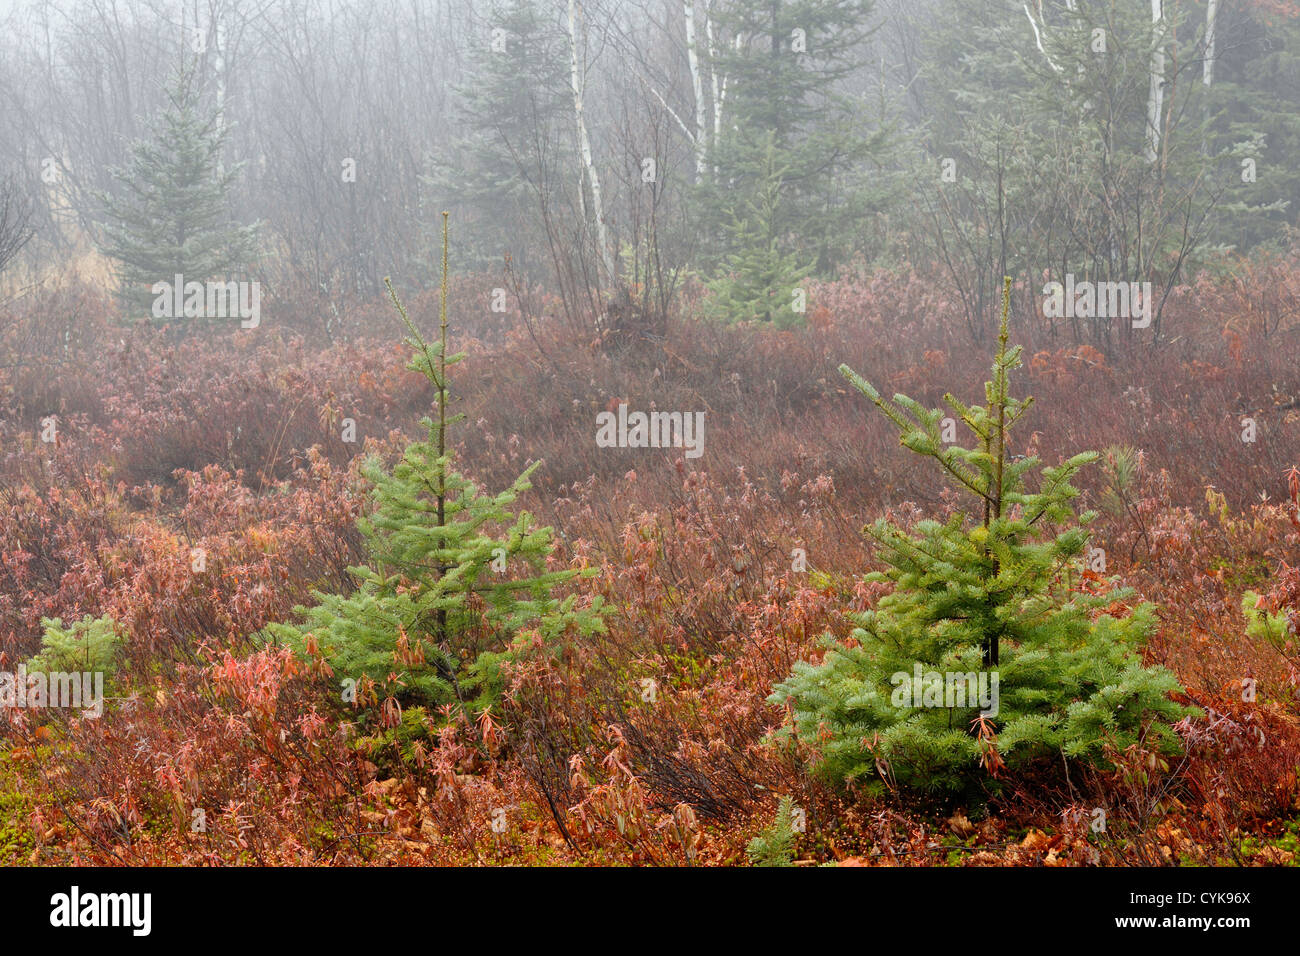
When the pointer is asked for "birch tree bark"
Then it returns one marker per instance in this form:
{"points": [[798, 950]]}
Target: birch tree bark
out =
{"points": [[697, 84], [577, 80], [719, 93], [219, 36], [1156, 93], [1211, 14], [1038, 35]]}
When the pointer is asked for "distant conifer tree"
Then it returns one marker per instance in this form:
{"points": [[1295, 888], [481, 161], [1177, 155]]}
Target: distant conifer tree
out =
{"points": [[758, 280], [172, 214]]}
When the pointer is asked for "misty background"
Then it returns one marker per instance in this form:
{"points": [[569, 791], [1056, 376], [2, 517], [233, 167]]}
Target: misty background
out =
{"points": [[618, 155]]}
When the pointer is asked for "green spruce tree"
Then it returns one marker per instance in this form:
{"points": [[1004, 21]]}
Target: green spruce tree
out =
{"points": [[775, 845], [91, 644], [788, 67], [757, 281], [992, 594], [500, 176], [455, 582], [172, 215]]}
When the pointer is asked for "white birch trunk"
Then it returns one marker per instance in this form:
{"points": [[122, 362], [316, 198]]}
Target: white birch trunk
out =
{"points": [[220, 72], [719, 93], [1156, 93], [1038, 37], [576, 77], [1211, 13], [697, 83]]}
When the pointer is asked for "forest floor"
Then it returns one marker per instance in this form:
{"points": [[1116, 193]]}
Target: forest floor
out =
{"points": [[653, 742]]}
